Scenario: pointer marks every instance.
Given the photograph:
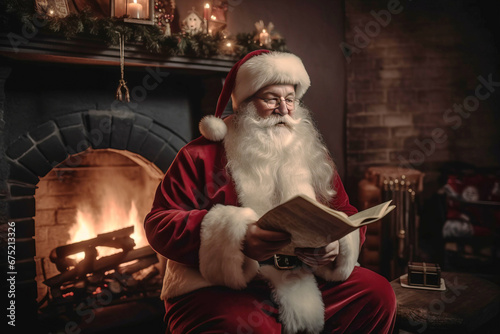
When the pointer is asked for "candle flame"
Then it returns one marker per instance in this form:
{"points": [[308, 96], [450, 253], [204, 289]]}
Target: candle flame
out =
{"points": [[264, 31], [228, 44], [207, 5], [135, 1]]}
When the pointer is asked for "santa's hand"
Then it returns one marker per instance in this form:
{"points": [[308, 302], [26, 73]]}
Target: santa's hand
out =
{"points": [[315, 257], [261, 244]]}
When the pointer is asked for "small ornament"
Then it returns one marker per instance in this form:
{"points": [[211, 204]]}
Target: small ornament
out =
{"points": [[164, 15], [193, 23]]}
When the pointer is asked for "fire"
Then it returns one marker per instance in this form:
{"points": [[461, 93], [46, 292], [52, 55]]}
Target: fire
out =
{"points": [[113, 216]]}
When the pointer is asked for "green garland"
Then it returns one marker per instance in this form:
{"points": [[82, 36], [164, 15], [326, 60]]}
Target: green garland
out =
{"points": [[20, 14]]}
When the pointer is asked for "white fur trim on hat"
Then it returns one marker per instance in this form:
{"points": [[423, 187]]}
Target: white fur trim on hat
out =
{"points": [[269, 69], [222, 261], [213, 128]]}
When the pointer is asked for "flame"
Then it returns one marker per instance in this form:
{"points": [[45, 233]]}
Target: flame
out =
{"points": [[112, 217]]}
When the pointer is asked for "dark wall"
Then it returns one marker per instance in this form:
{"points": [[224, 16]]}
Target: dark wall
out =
{"points": [[38, 92]]}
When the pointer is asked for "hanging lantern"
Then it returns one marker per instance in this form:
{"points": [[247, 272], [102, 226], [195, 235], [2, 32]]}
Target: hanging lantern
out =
{"points": [[134, 11]]}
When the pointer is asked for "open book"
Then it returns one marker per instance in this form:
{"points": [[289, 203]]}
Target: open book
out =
{"points": [[313, 224]]}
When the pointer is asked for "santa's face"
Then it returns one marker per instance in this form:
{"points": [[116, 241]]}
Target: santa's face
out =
{"points": [[270, 117], [276, 100]]}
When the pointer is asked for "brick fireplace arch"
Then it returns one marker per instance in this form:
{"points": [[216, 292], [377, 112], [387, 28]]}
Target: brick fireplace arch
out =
{"points": [[37, 152]]}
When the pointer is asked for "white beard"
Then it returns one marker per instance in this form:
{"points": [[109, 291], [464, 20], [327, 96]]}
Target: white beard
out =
{"points": [[272, 163]]}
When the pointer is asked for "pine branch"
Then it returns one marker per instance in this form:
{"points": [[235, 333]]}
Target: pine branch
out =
{"points": [[108, 30]]}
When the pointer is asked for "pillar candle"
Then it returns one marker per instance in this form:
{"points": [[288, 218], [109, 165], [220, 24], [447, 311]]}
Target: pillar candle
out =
{"points": [[135, 10]]}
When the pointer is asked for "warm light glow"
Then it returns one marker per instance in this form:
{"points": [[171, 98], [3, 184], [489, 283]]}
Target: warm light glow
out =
{"points": [[264, 31], [228, 44], [207, 5], [112, 217], [213, 17]]}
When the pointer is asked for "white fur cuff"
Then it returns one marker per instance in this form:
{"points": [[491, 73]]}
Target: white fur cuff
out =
{"points": [[342, 267], [222, 261]]}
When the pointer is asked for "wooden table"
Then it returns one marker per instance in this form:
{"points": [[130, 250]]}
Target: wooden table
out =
{"points": [[468, 303]]}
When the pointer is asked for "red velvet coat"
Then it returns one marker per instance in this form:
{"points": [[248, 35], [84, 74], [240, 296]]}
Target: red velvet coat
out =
{"points": [[196, 184]]}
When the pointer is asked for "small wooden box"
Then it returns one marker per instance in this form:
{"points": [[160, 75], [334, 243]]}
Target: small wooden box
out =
{"points": [[424, 274]]}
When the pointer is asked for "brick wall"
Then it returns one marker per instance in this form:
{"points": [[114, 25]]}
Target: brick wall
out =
{"points": [[417, 85]]}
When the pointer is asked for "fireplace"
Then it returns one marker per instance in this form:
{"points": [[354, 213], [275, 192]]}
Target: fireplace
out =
{"points": [[107, 190], [74, 159]]}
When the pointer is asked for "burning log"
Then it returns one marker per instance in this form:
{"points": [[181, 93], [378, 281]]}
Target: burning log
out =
{"points": [[124, 277], [139, 265], [85, 266], [117, 239]]}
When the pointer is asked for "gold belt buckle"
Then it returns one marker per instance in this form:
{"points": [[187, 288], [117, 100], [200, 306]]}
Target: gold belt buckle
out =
{"points": [[284, 262]]}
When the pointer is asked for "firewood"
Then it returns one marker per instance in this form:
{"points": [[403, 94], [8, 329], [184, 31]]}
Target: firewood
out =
{"points": [[117, 239], [139, 265], [105, 263]]}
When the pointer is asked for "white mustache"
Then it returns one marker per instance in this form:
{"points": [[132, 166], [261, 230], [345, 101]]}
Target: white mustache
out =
{"points": [[274, 120]]}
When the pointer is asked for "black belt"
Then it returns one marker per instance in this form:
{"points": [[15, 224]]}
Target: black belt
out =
{"points": [[283, 262]]}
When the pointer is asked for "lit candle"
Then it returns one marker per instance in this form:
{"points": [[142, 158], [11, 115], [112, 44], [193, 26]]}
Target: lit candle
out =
{"points": [[145, 8], [135, 10], [264, 37], [206, 11]]}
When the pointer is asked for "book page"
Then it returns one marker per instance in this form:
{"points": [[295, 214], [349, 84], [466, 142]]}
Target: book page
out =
{"points": [[312, 224], [371, 214]]}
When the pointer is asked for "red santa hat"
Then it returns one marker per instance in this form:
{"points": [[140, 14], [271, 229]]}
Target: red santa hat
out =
{"points": [[256, 70]]}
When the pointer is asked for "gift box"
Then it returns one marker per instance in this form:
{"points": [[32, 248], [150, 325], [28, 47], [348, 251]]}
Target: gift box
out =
{"points": [[424, 274]]}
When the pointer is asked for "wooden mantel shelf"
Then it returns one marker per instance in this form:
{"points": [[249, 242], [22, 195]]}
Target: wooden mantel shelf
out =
{"points": [[53, 49]]}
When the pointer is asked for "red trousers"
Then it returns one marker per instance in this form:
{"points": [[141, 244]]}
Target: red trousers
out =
{"points": [[365, 303]]}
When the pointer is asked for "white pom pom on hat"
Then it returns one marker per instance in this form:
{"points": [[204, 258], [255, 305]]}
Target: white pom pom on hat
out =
{"points": [[256, 70], [213, 128]]}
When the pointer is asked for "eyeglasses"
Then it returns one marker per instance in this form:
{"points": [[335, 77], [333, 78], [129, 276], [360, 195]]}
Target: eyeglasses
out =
{"points": [[275, 102]]}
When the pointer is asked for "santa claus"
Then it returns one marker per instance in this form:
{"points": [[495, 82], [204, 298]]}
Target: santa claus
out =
{"points": [[224, 274]]}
